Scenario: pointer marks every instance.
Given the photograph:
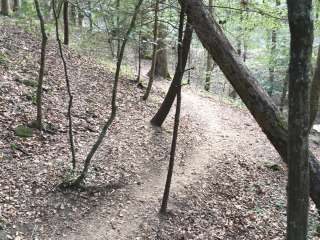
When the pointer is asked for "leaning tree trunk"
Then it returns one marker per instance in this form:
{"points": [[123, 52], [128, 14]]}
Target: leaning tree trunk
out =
{"points": [[301, 28], [180, 69], [164, 109], [255, 98], [5, 7]]}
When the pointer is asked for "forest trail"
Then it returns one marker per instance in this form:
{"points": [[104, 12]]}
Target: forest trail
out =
{"points": [[229, 182], [222, 132], [143, 201]]}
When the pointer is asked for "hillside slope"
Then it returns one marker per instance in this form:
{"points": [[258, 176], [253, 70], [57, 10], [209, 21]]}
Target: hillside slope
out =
{"points": [[32, 167], [229, 182]]}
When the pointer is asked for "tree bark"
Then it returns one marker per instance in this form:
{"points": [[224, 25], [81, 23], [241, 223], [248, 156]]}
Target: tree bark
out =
{"points": [[315, 92], [255, 98], [5, 7], [66, 22], [301, 28], [73, 14], [165, 107], [180, 69], [284, 92], [107, 125], [210, 63], [66, 74], [154, 52], [16, 6], [272, 61], [42, 66]]}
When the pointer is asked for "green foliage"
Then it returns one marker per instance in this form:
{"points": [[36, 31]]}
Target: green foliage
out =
{"points": [[13, 146], [30, 83], [23, 131], [32, 97], [3, 59], [126, 70]]}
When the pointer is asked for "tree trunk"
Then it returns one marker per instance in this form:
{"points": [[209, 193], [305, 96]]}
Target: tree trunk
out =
{"points": [[118, 27], [16, 6], [154, 52], [180, 69], [73, 14], [5, 7], [66, 75], [107, 125], [139, 53], [66, 22], [255, 98], [284, 92], [80, 18], [90, 16], [315, 92], [209, 59], [161, 65], [272, 61], [42, 66], [301, 28], [165, 107]]}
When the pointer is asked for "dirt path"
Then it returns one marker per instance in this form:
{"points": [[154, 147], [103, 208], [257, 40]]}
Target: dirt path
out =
{"points": [[142, 201]]}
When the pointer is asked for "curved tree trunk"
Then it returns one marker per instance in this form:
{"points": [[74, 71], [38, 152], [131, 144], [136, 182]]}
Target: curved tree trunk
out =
{"points": [[108, 123], [255, 98]]}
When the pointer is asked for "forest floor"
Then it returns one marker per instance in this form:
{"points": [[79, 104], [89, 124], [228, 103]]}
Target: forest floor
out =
{"points": [[229, 182]]}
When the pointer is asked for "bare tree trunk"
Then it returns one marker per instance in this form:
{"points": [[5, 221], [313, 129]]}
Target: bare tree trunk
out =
{"points": [[154, 52], [42, 66], [118, 27], [209, 59], [66, 22], [16, 6], [90, 16], [71, 140], [5, 7], [301, 28], [107, 125], [73, 14], [180, 69], [139, 53], [284, 92], [272, 56], [165, 107], [255, 98], [315, 92]]}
